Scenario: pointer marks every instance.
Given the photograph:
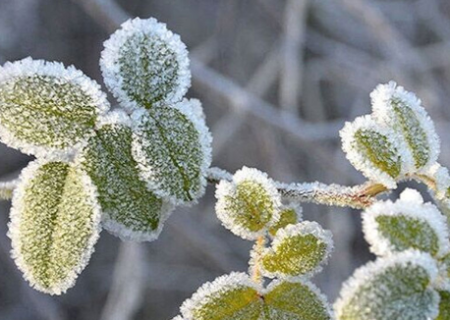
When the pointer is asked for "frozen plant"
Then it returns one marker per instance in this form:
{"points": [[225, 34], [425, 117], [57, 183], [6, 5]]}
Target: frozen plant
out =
{"points": [[125, 170]]}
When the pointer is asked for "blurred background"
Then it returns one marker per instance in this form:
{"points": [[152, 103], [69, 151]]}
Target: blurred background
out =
{"points": [[278, 79]]}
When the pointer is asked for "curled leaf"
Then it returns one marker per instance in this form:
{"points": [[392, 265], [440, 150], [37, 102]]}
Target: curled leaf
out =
{"points": [[47, 108], [373, 150], [130, 210], [406, 224], [144, 64], [398, 287], [248, 205], [55, 222], [401, 110], [172, 147], [297, 250]]}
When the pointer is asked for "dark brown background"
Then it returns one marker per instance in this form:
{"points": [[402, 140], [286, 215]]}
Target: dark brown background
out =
{"points": [[277, 78]]}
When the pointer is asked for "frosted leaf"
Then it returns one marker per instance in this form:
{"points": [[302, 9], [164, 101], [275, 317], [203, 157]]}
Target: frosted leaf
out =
{"points": [[236, 297], [249, 204], [373, 150], [295, 300], [47, 108], [297, 250], [290, 214], [405, 224], [401, 110], [398, 287], [130, 210], [444, 306], [144, 64], [230, 297], [441, 178], [7, 188], [172, 147], [55, 222]]}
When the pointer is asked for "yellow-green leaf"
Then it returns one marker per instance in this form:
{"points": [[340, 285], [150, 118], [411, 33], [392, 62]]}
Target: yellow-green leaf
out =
{"points": [[55, 222]]}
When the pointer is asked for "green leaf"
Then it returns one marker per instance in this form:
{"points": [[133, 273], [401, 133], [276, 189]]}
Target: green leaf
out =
{"points": [[406, 224], [390, 289], [288, 215], [235, 297], [45, 107], [297, 250], [173, 149], [444, 306], [230, 297], [248, 205], [55, 222], [299, 300], [130, 210], [144, 64], [402, 111], [373, 150]]}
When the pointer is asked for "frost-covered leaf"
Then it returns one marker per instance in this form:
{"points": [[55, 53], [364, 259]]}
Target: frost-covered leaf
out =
{"points": [[398, 287], [130, 210], [444, 306], [45, 107], [249, 204], [373, 149], [290, 214], [297, 250], [297, 300], [406, 224], [144, 64], [172, 146], [401, 110], [55, 222], [236, 297], [230, 297]]}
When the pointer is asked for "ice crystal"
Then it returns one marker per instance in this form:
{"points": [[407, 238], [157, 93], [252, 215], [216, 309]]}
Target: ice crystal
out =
{"points": [[130, 210], [405, 224], [297, 250], [248, 205], [398, 287], [172, 146], [7, 188], [46, 108], [55, 222], [145, 65]]}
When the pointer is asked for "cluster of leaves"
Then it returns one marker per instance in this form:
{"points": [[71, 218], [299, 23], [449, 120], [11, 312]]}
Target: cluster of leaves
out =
{"points": [[123, 170], [410, 279], [251, 207]]}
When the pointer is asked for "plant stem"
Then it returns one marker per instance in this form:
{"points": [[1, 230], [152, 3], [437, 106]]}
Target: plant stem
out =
{"points": [[257, 250], [357, 197]]}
